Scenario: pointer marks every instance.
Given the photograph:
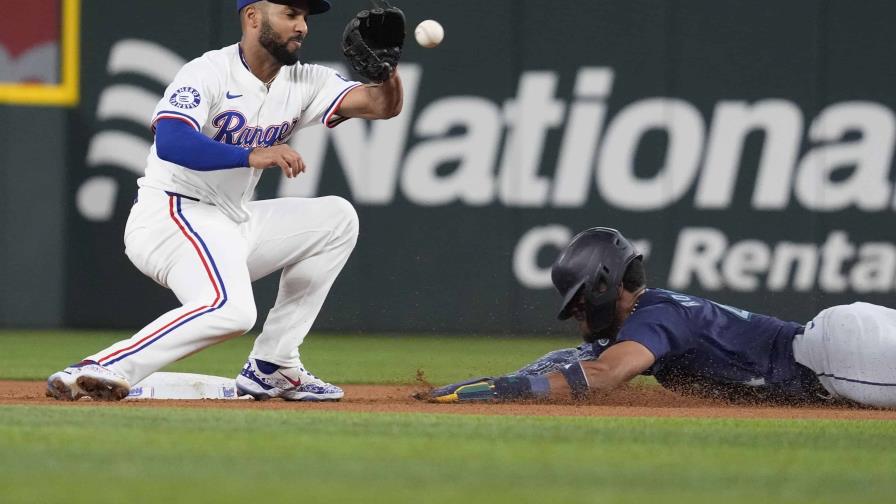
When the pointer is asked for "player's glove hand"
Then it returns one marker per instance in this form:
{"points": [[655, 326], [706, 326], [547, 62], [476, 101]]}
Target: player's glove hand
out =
{"points": [[373, 40], [477, 389], [503, 388]]}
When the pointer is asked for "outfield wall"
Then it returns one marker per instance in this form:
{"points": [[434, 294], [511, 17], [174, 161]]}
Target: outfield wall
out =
{"points": [[747, 146]]}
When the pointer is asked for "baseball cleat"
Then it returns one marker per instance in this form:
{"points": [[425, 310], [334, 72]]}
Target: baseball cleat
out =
{"points": [[264, 380], [87, 379], [61, 386]]}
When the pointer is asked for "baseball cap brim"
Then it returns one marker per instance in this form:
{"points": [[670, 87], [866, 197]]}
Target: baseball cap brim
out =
{"points": [[314, 6]]}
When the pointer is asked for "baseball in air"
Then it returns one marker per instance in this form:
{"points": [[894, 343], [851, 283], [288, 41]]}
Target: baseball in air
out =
{"points": [[429, 33]]}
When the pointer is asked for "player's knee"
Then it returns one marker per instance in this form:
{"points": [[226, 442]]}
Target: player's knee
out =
{"points": [[348, 218], [238, 319]]}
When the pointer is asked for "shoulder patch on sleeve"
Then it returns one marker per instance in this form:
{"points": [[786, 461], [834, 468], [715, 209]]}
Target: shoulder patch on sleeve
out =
{"points": [[186, 98]]}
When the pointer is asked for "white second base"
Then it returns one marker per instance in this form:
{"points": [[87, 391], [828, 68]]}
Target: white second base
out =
{"points": [[184, 386]]}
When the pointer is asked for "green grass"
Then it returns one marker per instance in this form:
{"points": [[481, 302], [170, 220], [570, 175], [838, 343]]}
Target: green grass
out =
{"points": [[34, 355], [134, 454], [64, 454]]}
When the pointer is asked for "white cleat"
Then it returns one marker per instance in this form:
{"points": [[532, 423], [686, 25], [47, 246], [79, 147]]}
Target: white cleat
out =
{"points": [[87, 379], [263, 380], [62, 387]]}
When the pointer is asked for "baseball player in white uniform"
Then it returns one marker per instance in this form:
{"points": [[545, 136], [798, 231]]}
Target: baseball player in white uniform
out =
{"points": [[195, 229]]}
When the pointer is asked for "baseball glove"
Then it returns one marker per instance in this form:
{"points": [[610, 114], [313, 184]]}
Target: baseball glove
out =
{"points": [[373, 40], [502, 388]]}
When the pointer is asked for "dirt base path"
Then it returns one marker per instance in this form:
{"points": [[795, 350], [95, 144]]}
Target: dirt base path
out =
{"points": [[632, 401]]}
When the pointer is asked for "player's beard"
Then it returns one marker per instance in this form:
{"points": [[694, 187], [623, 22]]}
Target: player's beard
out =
{"points": [[279, 50]]}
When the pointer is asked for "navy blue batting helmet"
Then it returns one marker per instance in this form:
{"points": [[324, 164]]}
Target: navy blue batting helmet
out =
{"points": [[593, 263]]}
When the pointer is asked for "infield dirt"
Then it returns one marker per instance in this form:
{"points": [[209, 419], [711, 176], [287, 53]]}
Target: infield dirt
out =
{"points": [[631, 401]]}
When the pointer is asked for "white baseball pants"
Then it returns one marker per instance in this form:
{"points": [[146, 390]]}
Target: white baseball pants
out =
{"points": [[852, 349], [210, 262]]}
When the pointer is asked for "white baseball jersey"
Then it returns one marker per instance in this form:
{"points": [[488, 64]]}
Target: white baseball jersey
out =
{"points": [[219, 96]]}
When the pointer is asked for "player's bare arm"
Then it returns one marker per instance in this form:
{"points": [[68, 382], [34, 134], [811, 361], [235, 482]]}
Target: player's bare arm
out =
{"points": [[618, 365], [375, 101]]}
